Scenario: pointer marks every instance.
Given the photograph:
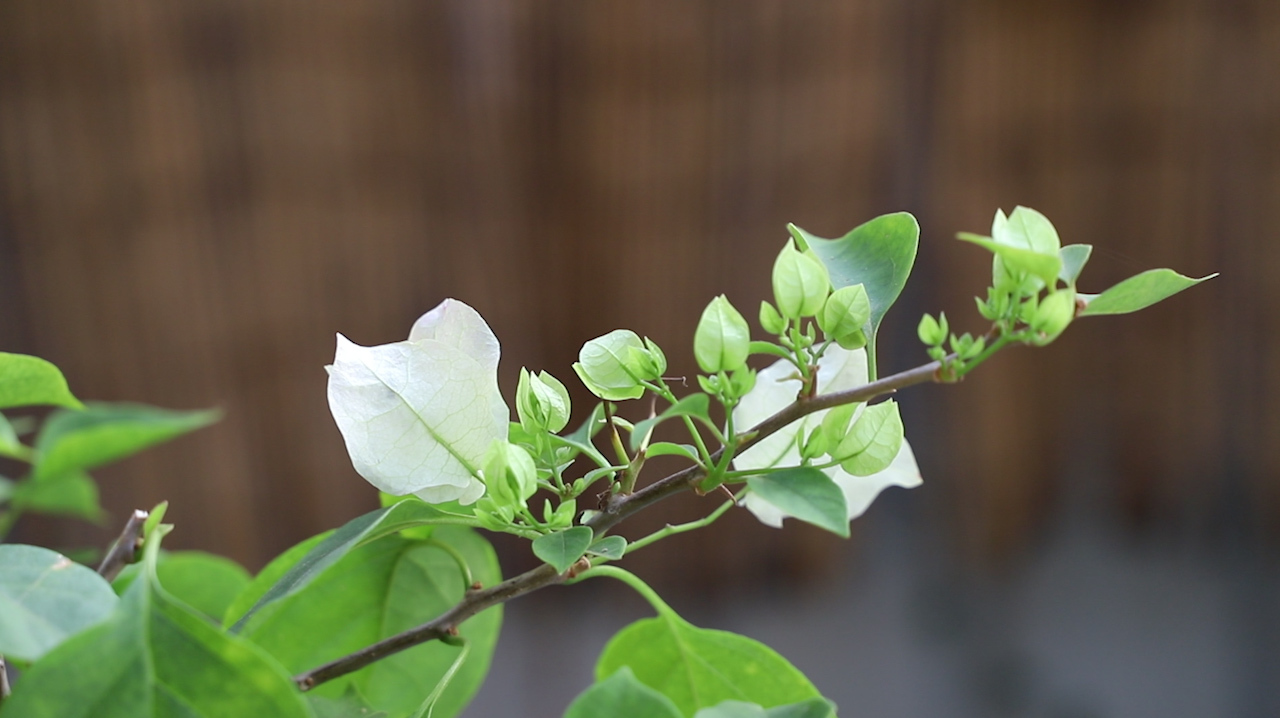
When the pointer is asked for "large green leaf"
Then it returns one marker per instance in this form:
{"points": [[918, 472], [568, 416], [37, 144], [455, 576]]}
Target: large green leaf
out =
{"points": [[878, 255], [562, 548], [32, 381], [73, 493], [334, 546], [623, 696], [807, 494], [46, 598], [102, 433], [154, 658], [202, 581], [378, 590], [698, 668], [1139, 292]]}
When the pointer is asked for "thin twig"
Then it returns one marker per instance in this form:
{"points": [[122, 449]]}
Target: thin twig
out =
{"points": [[619, 508], [123, 551]]}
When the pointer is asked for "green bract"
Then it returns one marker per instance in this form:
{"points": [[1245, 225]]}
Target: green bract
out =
{"points": [[417, 416], [509, 474], [800, 283], [613, 366], [845, 315], [722, 339], [542, 402]]}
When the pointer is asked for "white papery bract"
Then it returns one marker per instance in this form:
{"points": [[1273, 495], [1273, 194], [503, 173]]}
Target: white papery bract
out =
{"points": [[776, 387], [417, 416]]}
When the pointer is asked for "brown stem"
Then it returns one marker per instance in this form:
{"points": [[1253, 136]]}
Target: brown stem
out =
{"points": [[618, 509], [122, 552]]}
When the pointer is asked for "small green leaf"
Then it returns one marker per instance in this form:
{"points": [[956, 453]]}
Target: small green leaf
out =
{"points": [[807, 494], [351, 535], [10, 446], [621, 695], [1139, 292], [46, 598], [699, 668], [154, 658], [32, 381], [873, 441], [696, 405], [102, 433], [562, 548], [69, 494], [1074, 257], [1044, 267], [666, 448], [610, 547]]}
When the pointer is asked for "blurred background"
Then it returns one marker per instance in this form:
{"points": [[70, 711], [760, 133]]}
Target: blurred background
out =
{"points": [[195, 197]]}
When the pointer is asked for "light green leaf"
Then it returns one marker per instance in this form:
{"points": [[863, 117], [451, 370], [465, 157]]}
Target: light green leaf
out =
{"points": [[376, 591], [562, 548], [102, 433], [1074, 257], [807, 494], [695, 405], [417, 416], [621, 695], [1025, 228], [1139, 292], [873, 441], [154, 658], [699, 668], [666, 448], [10, 446], [610, 547], [603, 365], [812, 708], [877, 254], [32, 381], [202, 581], [69, 494], [327, 551], [1044, 267], [46, 598]]}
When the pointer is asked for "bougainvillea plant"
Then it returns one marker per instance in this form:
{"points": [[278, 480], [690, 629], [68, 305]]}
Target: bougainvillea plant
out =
{"points": [[396, 613]]}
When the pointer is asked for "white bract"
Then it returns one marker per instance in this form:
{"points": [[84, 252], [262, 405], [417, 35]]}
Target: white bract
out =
{"points": [[776, 387], [418, 416]]}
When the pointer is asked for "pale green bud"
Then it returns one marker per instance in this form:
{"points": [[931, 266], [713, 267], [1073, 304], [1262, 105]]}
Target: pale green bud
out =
{"points": [[605, 365], [770, 320], [722, 339], [510, 475], [1054, 314], [800, 283], [542, 402], [844, 314], [647, 363], [931, 331]]}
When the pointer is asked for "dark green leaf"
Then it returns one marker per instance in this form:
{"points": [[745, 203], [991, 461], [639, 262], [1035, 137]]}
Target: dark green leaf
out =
{"points": [[45, 598], [69, 494], [1139, 292], [378, 590], [32, 381], [877, 254], [699, 668], [102, 433], [611, 547], [622, 696], [269, 576], [353, 534], [562, 548], [154, 658], [1074, 257], [202, 581], [807, 494], [697, 405]]}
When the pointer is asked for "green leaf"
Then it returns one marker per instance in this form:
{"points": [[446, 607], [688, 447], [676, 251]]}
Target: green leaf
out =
{"points": [[807, 494], [621, 695], [349, 705], [32, 381], [813, 708], [69, 494], [351, 535], [1044, 267], [695, 405], [376, 591], [6, 489], [202, 581], [1026, 228], [10, 446], [102, 433], [1074, 257], [877, 254], [154, 658], [562, 548], [45, 598], [603, 365], [1139, 292], [873, 441], [611, 547], [699, 668], [666, 448]]}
